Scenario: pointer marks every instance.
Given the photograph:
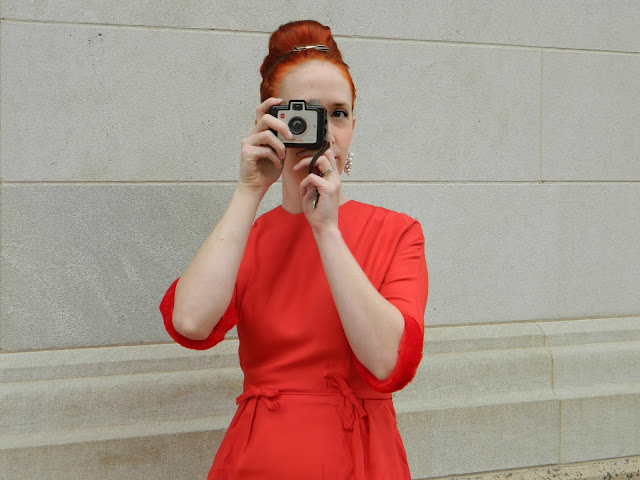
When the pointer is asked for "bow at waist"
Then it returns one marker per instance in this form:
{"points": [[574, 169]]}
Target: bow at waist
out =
{"points": [[265, 394], [351, 411], [351, 406]]}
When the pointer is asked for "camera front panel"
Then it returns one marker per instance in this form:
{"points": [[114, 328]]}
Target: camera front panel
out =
{"points": [[308, 123]]}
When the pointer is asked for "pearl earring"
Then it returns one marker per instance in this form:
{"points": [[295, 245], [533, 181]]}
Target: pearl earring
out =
{"points": [[348, 164]]}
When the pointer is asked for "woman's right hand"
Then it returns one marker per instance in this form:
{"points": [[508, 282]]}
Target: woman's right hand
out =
{"points": [[262, 153]]}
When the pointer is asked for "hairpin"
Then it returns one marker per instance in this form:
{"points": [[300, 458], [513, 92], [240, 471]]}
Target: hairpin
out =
{"points": [[322, 48], [319, 47]]}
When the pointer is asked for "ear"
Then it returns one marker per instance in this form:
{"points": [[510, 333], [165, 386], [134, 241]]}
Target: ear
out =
{"points": [[353, 125]]}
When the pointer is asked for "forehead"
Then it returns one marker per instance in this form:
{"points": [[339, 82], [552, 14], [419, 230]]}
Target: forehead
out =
{"points": [[315, 79]]}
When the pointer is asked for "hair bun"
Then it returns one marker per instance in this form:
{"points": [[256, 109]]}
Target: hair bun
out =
{"points": [[282, 57]]}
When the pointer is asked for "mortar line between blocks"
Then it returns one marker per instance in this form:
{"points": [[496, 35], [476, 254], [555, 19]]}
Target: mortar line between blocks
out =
{"points": [[1, 137], [541, 116], [553, 387], [539, 321], [215, 30], [560, 431], [346, 183]]}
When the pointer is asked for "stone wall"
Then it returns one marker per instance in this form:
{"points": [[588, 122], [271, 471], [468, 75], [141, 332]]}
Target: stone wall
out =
{"points": [[510, 129]]}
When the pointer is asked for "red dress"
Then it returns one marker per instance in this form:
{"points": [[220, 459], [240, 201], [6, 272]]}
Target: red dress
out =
{"points": [[309, 409]]}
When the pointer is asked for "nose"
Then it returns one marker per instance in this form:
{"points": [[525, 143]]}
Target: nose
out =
{"points": [[330, 137]]}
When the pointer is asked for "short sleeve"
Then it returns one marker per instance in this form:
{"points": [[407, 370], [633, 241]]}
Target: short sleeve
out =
{"points": [[226, 323], [405, 285]]}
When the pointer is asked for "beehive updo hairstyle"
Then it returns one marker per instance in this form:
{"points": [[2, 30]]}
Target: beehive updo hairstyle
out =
{"points": [[280, 60]]}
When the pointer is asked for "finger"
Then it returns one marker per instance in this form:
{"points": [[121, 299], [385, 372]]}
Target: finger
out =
{"points": [[312, 182], [333, 163], [269, 122], [265, 106], [322, 164], [309, 199], [253, 154], [267, 153], [310, 153], [267, 138]]}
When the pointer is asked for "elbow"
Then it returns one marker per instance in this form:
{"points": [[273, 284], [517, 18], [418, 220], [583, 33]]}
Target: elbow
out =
{"points": [[383, 370], [189, 328]]}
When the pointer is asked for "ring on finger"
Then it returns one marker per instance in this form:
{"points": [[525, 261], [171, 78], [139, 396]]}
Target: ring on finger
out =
{"points": [[322, 174]]}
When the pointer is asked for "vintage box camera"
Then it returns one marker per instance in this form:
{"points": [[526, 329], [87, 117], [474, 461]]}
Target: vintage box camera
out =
{"points": [[308, 123]]}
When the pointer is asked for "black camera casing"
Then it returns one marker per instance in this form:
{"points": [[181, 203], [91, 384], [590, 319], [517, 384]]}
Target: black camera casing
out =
{"points": [[307, 122]]}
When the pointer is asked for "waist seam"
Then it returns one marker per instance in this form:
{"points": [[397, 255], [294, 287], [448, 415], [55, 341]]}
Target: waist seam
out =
{"points": [[364, 396]]}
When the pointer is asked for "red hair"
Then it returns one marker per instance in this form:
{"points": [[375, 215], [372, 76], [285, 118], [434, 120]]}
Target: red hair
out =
{"points": [[280, 60]]}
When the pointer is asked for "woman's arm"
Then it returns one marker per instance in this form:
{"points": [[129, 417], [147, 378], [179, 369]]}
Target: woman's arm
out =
{"points": [[372, 325], [205, 289]]}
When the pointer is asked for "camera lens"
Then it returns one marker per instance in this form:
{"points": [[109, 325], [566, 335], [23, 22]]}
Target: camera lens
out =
{"points": [[297, 125]]}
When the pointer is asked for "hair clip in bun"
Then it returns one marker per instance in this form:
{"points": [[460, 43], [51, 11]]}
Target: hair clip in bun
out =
{"points": [[319, 47], [322, 48]]}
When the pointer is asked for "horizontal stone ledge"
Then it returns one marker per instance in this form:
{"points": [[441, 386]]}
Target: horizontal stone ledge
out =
{"points": [[593, 365], [161, 457], [72, 390], [599, 391], [127, 360], [433, 431], [598, 330], [109, 361], [135, 430], [76, 404], [452, 339], [608, 469], [485, 437]]}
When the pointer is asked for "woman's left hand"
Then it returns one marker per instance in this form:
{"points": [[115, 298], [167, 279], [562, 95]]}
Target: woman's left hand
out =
{"points": [[325, 215]]}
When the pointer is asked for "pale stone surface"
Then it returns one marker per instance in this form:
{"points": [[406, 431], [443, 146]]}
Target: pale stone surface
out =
{"points": [[86, 264], [124, 104], [567, 24], [600, 427], [104, 103], [496, 253], [93, 397], [162, 457], [466, 411], [482, 337], [506, 253], [590, 117], [33, 413], [580, 332], [599, 389], [598, 385], [487, 129], [597, 367], [452, 380], [107, 361], [486, 437], [76, 253], [618, 468]]}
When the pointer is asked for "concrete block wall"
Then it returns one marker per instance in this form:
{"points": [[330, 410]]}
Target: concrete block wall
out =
{"points": [[510, 129]]}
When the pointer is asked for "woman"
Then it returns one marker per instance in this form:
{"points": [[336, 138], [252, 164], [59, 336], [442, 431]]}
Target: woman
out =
{"points": [[328, 294]]}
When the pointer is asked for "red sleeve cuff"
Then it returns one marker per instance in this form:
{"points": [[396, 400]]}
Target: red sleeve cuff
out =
{"points": [[226, 323], [409, 356]]}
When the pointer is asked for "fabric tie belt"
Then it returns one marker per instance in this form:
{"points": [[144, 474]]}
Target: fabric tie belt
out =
{"points": [[351, 412], [351, 405]]}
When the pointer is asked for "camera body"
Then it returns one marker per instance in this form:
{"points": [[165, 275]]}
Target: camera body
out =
{"points": [[307, 122]]}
